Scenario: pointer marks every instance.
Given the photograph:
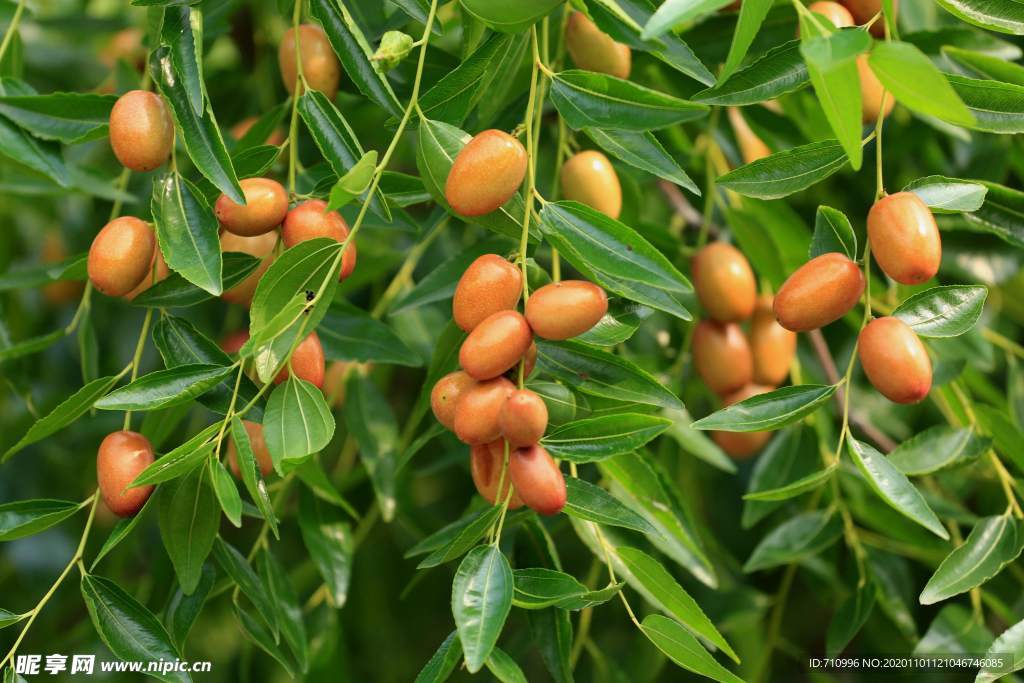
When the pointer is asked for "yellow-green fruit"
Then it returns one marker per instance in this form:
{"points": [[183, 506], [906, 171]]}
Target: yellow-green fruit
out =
{"points": [[310, 220], [566, 309], [523, 418], [486, 173], [721, 356], [485, 463], [120, 255], [260, 246], [266, 204], [495, 345], [593, 50], [445, 396], [478, 409], [820, 292], [771, 345], [589, 178], [121, 458], [742, 445], [751, 147], [490, 284], [141, 130], [871, 93], [259, 450], [320, 65], [904, 238], [724, 282], [895, 360]]}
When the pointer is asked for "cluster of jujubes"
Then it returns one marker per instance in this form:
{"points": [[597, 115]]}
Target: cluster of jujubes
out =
{"points": [[735, 364], [482, 405]]}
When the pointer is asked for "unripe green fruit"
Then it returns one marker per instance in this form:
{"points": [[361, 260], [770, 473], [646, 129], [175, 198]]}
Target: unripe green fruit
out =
{"points": [[833, 11], [266, 204], [495, 345], [772, 346], [486, 173], [537, 479], [141, 130], [158, 271], [751, 147], [490, 284], [120, 255], [741, 445], [895, 360], [320, 65], [310, 220], [593, 50], [566, 309], [904, 238], [864, 10], [259, 449], [589, 178], [523, 418], [485, 463], [478, 409], [820, 292], [724, 282], [307, 362], [721, 356], [121, 457], [445, 396], [260, 246]]}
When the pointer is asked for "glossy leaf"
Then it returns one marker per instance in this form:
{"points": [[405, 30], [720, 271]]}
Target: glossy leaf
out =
{"points": [[1001, 214], [187, 232], [177, 292], [67, 117], [456, 94], [800, 536], [27, 517], [768, 411], [251, 476], [908, 74], [783, 173], [993, 543], [995, 107], [593, 503], [778, 71], [372, 423], [179, 461], [297, 421], [182, 610], [948, 195], [672, 12], [455, 539], [849, 618], [945, 311], [330, 542], [165, 388], [597, 438], [1005, 17], [590, 100], [481, 600], [227, 492], [122, 529], [512, 17], [539, 588], [443, 662], [682, 648], [236, 566], [1009, 644], [831, 65], [832, 233], [642, 150], [189, 517], [752, 15], [347, 333], [938, 448], [795, 488]]}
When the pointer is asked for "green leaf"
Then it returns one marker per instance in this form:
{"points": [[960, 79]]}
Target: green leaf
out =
{"points": [[481, 600], [614, 256], [27, 517], [457, 93], [993, 543], [348, 333], [673, 12], [995, 107], [455, 539], [997, 15], [354, 182], [593, 503], [682, 648], [130, 630], [227, 492], [617, 326], [504, 667], [752, 15], [908, 74], [849, 618], [39, 155], [189, 517], [946, 311], [831, 64], [443, 662], [10, 618], [179, 461], [67, 117], [250, 472], [1001, 214], [73, 268], [938, 448], [1008, 646], [986, 66], [539, 588], [678, 603], [330, 543], [72, 408], [783, 173], [121, 530], [187, 232], [600, 373], [551, 632], [237, 567], [182, 610], [893, 487], [779, 71], [948, 195], [33, 345], [800, 536], [289, 611], [183, 32], [297, 421], [642, 150], [165, 388], [372, 423], [769, 411], [201, 135], [832, 232], [597, 438], [795, 488], [591, 100], [790, 456], [355, 53], [509, 17], [266, 640], [177, 292]]}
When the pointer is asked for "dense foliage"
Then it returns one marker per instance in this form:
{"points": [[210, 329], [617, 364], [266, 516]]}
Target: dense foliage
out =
{"points": [[731, 498]]}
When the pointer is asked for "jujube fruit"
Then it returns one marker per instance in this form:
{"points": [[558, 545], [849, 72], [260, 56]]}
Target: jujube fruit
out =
{"points": [[238, 131], [486, 173], [266, 204], [864, 10], [260, 246], [232, 343], [478, 409], [819, 292], [594, 50], [141, 130], [589, 178], [485, 463], [871, 93], [724, 282], [833, 11], [445, 396], [537, 479], [310, 220], [490, 284], [320, 65], [742, 445], [751, 147], [259, 449], [120, 255], [523, 418], [495, 345], [565, 309], [895, 360], [158, 271], [307, 362], [122, 456], [721, 356], [772, 346], [126, 44], [904, 238], [334, 383]]}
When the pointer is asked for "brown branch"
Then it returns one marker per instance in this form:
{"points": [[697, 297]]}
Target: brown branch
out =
{"points": [[682, 206], [832, 373]]}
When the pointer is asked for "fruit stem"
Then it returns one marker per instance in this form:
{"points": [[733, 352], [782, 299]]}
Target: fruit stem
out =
{"points": [[300, 79], [136, 359], [12, 28]]}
